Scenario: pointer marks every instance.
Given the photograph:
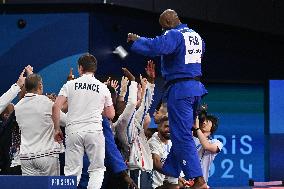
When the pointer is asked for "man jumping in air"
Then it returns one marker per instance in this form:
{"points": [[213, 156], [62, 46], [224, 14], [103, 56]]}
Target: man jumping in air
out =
{"points": [[181, 51]]}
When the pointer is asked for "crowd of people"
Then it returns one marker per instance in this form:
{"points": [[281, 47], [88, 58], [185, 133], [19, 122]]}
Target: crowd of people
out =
{"points": [[101, 128]]}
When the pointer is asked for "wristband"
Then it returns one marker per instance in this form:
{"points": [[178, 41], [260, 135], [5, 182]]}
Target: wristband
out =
{"points": [[196, 129]]}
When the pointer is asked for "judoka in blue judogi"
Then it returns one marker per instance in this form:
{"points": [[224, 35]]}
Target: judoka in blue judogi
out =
{"points": [[181, 51]]}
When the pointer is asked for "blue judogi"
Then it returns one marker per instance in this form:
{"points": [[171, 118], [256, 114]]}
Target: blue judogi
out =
{"points": [[113, 158], [181, 50]]}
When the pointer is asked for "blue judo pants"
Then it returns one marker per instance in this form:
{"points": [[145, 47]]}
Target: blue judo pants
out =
{"points": [[183, 154]]}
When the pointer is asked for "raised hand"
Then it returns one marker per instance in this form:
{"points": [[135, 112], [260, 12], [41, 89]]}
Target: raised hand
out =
{"points": [[143, 83], [123, 88], [128, 74], [114, 84], [29, 69], [139, 95], [150, 71], [132, 37], [196, 125], [70, 76], [21, 80]]}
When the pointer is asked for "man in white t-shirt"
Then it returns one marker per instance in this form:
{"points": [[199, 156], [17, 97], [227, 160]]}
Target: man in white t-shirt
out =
{"points": [[87, 99], [38, 149], [160, 145], [207, 147]]}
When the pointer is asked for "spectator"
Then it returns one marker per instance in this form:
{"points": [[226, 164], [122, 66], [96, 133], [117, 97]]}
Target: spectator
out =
{"points": [[7, 97], [207, 147], [87, 99], [33, 114]]}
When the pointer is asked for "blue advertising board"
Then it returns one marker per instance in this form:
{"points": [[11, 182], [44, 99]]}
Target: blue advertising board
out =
{"points": [[276, 129], [36, 182], [276, 106], [240, 110]]}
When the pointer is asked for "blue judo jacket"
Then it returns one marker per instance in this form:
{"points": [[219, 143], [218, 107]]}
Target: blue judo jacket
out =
{"points": [[181, 50]]}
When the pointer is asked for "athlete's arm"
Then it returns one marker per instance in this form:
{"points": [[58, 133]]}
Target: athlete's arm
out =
{"points": [[160, 45], [146, 102], [7, 97], [60, 100], [109, 112], [157, 165]]}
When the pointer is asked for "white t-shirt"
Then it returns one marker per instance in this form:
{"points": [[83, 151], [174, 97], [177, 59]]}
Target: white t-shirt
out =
{"points": [[33, 115], [162, 150], [206, 157], [87, 98]]}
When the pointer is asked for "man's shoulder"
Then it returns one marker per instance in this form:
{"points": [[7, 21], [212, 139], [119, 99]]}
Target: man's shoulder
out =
{"points": [[44, 99], [173, 32], [154, 139]]}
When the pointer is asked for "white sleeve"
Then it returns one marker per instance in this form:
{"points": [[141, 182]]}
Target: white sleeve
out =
{"points": [[153, 147], [64, 91], [124, 122], [7, 97], [218, 143], [145, 104], [131, 104], [108, 99]]}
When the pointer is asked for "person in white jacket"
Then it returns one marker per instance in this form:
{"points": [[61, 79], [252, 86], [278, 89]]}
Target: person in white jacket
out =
{"points": [[140, 159], [120, 125], [39, 152]]}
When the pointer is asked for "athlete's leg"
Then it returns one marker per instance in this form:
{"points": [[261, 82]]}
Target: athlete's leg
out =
{"points": [[171, 167], [95, 149], [181, 120], [74, 155]]}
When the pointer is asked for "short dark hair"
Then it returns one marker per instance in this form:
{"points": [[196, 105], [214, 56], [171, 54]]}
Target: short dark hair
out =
{"points": [[32, 82], [88, 63], [214, 121]]}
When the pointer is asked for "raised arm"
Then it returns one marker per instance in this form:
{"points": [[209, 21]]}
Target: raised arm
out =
{"points": [[160, 45], [124, 123], [147, 92], [7, 97], [203, 139], [109, 111], [123, 89]]}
